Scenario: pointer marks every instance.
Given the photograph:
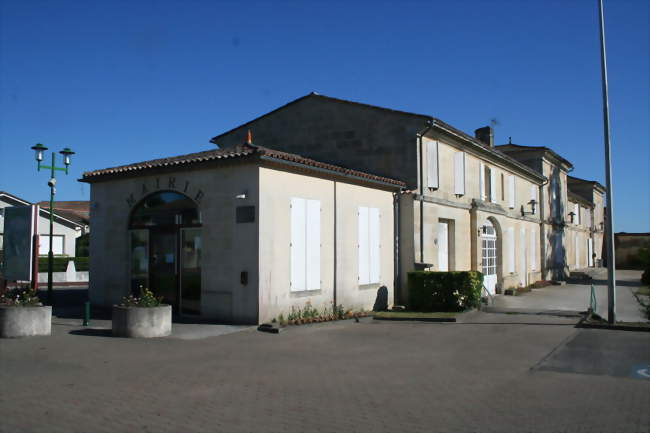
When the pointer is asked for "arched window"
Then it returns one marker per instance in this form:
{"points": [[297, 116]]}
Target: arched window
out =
{"points": [[165, 208]]}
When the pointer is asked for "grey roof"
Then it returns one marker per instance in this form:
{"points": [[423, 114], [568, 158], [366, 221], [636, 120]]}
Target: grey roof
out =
{"points": [[518, 148], [425, 117]]}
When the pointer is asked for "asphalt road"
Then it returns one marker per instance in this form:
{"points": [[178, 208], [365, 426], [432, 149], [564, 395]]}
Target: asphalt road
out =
{"points": [[490, 373]]}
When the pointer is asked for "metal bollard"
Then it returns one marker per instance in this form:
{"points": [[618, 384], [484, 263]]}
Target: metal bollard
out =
{"points": [[86, 313]]}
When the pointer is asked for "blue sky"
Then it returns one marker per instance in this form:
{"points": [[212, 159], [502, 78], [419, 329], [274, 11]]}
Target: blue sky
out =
{"points": [[125, 81]]}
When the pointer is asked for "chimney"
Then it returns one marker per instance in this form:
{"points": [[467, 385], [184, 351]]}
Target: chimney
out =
{"points": [[485, 135]]}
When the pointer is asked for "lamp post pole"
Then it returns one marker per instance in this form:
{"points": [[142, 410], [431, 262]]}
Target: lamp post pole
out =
{"points": [[609, 219], [67, 153]]}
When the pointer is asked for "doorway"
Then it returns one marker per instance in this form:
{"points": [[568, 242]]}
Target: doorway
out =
{"points": [[489, 256], [166, 250]]}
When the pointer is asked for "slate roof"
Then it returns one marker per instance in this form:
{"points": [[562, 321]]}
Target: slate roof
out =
{"points": [[235, 152], [517, 148], [593, 183], [425, 117]]}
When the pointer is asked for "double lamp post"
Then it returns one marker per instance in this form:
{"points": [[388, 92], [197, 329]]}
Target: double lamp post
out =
{"points": [[39, 150]]}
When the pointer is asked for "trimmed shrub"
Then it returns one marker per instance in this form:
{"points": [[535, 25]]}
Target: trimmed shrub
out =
{"points": [[645, 277], [61, 263], [444, 291]]}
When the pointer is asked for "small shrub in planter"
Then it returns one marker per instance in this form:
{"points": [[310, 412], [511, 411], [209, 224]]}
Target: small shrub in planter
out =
{"points": [[23, 315], [444, 291], [142, 317]]}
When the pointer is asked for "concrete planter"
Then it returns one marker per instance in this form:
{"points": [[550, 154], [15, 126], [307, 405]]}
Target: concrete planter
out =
{"points": [[25, 321], [142, 322]]}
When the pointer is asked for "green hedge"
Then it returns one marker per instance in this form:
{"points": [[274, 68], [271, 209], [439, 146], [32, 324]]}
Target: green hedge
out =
{"points": [[444, 291], [61, 263]]}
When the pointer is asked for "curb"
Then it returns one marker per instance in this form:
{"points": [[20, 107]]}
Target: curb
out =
{"points": [[415, 319]]}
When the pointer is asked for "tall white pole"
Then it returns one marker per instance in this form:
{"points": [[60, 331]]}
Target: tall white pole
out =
{"points": [[609, 219]]}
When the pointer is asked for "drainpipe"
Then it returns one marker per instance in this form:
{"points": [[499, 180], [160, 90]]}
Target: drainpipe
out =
{"points": [[397, 286], [542, 230], [420, 136], [335, 249]]}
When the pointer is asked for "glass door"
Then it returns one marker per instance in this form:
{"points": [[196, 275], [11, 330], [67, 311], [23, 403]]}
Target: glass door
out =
{"points": [[163, 264], [190, 272], [139, 260]]}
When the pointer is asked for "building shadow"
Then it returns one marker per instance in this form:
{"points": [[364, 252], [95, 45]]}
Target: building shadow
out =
{"points": [[90, 332]]}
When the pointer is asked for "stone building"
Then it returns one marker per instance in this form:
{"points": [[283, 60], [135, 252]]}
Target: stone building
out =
{"points": [[467, 205], [586, 216], [242, 234]]}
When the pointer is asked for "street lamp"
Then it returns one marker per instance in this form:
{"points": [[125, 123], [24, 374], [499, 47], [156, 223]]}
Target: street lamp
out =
{"points": [[39, 150]]}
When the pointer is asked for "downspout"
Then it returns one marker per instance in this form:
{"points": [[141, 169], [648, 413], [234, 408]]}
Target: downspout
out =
{"points": [[397, 286], [420, 136], [542, 230], [335, 249]]}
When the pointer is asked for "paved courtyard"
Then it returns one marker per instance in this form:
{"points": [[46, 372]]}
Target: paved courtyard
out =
{"points": [[489, 373], [575, 297]]}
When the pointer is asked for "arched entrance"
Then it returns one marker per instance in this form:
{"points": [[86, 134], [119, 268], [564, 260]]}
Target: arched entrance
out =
{"points": [[165, 246], [490, 253]]}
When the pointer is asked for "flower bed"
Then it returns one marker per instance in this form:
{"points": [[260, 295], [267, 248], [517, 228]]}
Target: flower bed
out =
{"points": [[309, 314]]}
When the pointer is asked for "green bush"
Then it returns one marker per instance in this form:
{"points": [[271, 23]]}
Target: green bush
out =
{"points": [[645, 277], [61, 264], [82, 245], [444, 291]]}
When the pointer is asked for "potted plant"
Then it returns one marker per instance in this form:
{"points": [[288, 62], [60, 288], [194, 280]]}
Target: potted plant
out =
{"points": [[23, 315], [142, 317]]}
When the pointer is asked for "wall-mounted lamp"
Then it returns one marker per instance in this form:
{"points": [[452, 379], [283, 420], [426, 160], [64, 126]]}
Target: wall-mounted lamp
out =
{"points": [[532, 204], [241, 196], [482, 230], [572, 215]]}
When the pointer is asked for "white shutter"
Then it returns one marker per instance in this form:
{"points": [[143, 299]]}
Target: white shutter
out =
{"points": [[590, 251], [533, 249], [313, 245], [459, 173], [432, 164], [510, 231], [511, 191], [298, 243], [493, 185], [364, 260], [576, 210], [374, 253], [481, 181]]}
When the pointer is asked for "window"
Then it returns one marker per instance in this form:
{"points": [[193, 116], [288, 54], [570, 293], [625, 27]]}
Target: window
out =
{"points": [[511, 191], [503, 187], [305, 244], [432, 164], [493, 185], [368, 245], [533, 196], [510, 235], [44, 245], [459, 173], [533, 249]]}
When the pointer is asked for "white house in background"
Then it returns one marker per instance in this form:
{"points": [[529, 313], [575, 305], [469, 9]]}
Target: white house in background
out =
{"points": [[67, 227]]}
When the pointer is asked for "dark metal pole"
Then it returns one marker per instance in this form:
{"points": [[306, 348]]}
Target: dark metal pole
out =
{"points": [[609, 219], [50, 255]]}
